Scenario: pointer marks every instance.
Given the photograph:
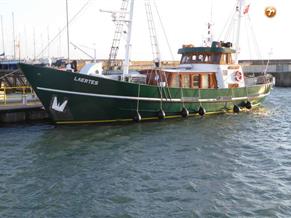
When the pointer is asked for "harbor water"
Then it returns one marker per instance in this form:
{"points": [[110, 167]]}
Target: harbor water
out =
{"points": [[228, 165]]}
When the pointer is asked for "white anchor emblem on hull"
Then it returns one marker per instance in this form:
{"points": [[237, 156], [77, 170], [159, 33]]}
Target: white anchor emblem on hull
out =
{"points": [[58, 106]]}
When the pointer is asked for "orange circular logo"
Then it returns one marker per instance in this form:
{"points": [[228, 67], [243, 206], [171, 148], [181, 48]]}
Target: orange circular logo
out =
{"points": [[270, 11]]}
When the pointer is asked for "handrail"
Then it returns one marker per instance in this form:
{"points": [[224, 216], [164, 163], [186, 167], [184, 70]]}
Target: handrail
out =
{"points": [[16, 94]]}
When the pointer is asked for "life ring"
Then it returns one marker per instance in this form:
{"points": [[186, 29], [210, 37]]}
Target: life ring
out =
{"points": [[238, 76]]}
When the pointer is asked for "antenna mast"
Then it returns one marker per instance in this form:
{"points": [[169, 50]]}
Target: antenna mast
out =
{"points": [[239, 10], [209, 28]]}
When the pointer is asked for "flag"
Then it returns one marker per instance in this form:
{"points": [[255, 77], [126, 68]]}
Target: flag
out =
{"points": [[246, 9]]}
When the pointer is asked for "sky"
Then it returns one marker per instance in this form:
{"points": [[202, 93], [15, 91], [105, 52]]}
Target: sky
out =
{"points": [[37, 22]]}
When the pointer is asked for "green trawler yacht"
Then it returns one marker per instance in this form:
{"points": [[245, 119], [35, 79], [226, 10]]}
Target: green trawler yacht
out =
{"points": [[206, 81]]}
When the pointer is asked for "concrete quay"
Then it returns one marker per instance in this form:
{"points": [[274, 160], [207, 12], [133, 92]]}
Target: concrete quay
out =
{"points": [[279, 68], [19, 108]]}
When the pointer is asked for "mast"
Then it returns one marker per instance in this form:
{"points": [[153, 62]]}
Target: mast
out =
{"points": [[18, 46], [239, 10], [128, 40], [209, 27], [68, 35]]}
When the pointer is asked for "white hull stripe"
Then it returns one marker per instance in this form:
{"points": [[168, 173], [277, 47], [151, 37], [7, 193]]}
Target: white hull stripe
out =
{"points": [[186, 99]]}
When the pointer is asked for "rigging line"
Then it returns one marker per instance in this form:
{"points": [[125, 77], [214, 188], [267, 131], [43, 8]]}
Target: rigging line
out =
{"points": [[164, 31], [152, 32], [78, 47], [230, 27], [167, 84], [137, 104], [63, 29], [85, 46], [255, 39], [248, 39], [182, 95], [226, 29]]}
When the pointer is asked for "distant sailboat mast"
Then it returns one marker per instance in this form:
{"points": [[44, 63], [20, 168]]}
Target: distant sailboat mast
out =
{"points": [[3, 45], [13, 32]]}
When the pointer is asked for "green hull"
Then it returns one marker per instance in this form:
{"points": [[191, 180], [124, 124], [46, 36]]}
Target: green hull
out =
{"points": [[76, 98]]}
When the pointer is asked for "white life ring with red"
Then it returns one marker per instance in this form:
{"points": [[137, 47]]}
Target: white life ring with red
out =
{"points": [[238, 76]]}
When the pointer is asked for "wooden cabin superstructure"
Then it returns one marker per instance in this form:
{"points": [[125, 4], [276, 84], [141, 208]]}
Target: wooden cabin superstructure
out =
{"points": [[201, 68]]}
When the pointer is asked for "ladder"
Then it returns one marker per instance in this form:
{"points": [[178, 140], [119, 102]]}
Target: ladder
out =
{"points": [[112, 62], [153, 35]]}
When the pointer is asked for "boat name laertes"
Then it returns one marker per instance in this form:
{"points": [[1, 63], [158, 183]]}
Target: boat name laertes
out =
{"points": [[87, 81]]}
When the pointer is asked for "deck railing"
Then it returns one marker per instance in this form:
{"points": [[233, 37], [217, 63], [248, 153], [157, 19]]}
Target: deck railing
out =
{"points": [[17, 95]]}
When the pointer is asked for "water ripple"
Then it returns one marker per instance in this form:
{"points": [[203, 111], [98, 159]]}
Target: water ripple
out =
{"points": [[230, 165]]}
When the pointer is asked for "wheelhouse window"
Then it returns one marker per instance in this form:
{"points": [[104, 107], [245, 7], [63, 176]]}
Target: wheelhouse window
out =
{"points": [[216, 58], [223, 58], [229, 58], [185, 81], [204, 81], [186, 59], [195, 81], [175, 80], [196, 58]]}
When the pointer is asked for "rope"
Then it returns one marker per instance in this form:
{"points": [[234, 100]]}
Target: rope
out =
{"points": [[258, 52], [182, 96], [138, 94], [164, 31], [228, 27], [160, 91], [248, 39], [167, 85]]}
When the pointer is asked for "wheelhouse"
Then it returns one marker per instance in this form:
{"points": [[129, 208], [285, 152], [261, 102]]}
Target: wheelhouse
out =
{"points": [[218, 53]]}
